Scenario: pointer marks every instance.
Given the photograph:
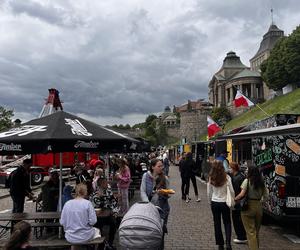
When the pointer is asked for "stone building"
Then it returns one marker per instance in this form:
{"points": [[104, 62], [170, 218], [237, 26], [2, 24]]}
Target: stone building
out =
{"points": [[168, 118], [193, 119], [266, 45], [234, 75]]}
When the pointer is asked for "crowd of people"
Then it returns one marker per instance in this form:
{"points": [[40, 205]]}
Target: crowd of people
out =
{"points": [[94, 192]]}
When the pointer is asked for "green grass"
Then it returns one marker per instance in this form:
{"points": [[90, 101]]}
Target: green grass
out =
{"points": [[286, 104]]}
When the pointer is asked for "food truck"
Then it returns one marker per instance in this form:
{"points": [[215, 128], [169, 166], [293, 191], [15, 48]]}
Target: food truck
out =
{"points": [[276, 152]]}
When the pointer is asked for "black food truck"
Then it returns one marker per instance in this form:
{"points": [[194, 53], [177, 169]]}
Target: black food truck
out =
{"points": [[276, 152]]}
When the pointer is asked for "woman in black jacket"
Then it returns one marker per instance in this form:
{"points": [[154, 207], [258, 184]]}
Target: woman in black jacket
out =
{"points": [[237, 178]]}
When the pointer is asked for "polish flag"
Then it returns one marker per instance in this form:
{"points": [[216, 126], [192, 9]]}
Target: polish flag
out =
{"points": [[212, 127], [241, 100]]}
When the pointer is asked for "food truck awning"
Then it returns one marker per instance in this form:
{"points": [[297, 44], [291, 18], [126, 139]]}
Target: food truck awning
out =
{"points": [[281, 130]]}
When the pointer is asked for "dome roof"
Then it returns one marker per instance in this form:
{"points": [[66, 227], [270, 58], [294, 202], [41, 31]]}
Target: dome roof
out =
{"points": [[246, 73], [232, 61], [167, 109]]}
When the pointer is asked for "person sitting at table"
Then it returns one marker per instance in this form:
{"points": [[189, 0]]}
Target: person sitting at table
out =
{"points": [[20, 237], [104, 199], [98, 172], [78, 218], [50, 193]]}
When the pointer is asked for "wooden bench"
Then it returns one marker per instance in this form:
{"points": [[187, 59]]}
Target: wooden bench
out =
{"points": [[38, 227], [61, 243]]}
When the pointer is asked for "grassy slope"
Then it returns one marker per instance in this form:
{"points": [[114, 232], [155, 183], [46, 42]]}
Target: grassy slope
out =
{"points": [[286, 104]]}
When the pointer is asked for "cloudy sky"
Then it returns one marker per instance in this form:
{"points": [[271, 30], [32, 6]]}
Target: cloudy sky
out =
{"points": [[115, 61]]}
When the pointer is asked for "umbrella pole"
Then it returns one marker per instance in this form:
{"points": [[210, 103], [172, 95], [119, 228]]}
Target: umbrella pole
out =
{"points": [[60, 191]]}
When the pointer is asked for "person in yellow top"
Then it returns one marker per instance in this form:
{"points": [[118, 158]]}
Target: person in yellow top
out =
{"points": [[254, 187]]}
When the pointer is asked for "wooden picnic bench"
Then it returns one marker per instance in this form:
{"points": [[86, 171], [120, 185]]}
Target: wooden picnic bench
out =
{"points": [[61, 243]]}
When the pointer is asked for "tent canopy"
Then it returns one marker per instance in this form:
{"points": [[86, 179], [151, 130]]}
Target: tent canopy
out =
{"points": [[63, 132]]}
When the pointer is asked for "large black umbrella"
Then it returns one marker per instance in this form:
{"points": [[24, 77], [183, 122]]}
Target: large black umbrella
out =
{"points": [[62, 132]]}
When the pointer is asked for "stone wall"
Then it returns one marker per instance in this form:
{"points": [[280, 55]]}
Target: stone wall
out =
{"points": [[174, 131], [193, 124]]}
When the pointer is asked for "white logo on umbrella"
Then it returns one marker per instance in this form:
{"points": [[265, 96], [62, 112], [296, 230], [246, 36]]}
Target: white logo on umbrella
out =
{"points": [[24, 130], [83, 144], [10, 147], [77, 128]]}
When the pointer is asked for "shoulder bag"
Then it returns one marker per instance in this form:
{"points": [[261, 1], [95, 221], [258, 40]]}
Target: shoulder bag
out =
{"points": [[229, 198]]}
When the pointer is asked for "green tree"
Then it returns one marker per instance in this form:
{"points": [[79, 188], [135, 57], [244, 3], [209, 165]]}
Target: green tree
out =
{"points": [[292, 61], [5, 118], [283, 65], [127, 126], [221, 115]]}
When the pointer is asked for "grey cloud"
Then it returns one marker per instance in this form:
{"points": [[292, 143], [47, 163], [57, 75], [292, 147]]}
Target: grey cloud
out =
{"points": [[45, 12], [126, 63]]}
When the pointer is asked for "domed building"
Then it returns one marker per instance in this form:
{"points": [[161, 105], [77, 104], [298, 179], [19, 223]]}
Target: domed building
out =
{"points": [[168, 118], [231, 76]]}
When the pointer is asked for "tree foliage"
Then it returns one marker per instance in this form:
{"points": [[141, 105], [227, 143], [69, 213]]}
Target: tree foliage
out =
{"points": [[221, 115], [5, 118], [283, 65]]}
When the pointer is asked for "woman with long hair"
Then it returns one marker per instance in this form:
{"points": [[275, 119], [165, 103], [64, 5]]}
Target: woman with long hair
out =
{"points": [[217, 193], [20, 237], [256, 190], [123, 176]]}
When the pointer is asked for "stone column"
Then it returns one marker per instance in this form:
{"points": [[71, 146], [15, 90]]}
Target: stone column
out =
{"points": [[252, 90]]}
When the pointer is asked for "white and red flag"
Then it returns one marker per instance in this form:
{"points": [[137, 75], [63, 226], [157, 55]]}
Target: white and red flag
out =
{"points": [[241, 100], [212, 127]]}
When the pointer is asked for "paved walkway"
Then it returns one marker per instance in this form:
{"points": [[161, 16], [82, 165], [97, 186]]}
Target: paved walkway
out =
{"points": [[191, 226]]}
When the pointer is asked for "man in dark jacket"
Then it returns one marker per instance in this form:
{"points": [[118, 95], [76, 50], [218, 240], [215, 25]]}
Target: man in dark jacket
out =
{"points": [[183, 180], [20, 186], [189, 169]]}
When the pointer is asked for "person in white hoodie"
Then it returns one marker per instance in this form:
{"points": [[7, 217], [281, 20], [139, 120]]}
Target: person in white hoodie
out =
{"points": [[217, 193]]}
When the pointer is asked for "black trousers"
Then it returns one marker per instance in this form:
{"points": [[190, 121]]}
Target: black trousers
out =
{"points": [[221, 210], [183, 186], [111, 222], [238, 225], [18, 203], [186, 187]]}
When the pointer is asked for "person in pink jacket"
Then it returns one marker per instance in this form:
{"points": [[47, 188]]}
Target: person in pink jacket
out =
{"points": [[124, 178]]}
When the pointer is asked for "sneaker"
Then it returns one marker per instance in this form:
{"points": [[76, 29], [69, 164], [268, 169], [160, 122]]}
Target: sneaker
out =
{"points": [[198, 199], [237, 241], [187, 200]]}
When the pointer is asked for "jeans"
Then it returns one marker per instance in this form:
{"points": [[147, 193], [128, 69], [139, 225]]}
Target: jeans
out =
{"points": [[18, 204], [124, 200], [238, 225], [221, 210], [194, 181]]}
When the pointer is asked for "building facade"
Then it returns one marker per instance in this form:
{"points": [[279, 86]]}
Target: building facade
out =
{"points": [[234, 75], [266, 45]]}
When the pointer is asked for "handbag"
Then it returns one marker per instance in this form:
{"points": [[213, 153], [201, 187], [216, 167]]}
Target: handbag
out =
{"points": [[244, 201], [229, 198]]}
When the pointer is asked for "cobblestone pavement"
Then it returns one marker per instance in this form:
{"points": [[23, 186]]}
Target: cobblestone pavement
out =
{"points": [[190, 225]]}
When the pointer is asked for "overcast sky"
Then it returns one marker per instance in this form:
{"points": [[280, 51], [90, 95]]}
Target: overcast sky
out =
{"points": [[116, 61]]}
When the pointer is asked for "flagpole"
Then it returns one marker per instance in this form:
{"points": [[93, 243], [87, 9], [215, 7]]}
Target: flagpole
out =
{"points": [[263, 110]]}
